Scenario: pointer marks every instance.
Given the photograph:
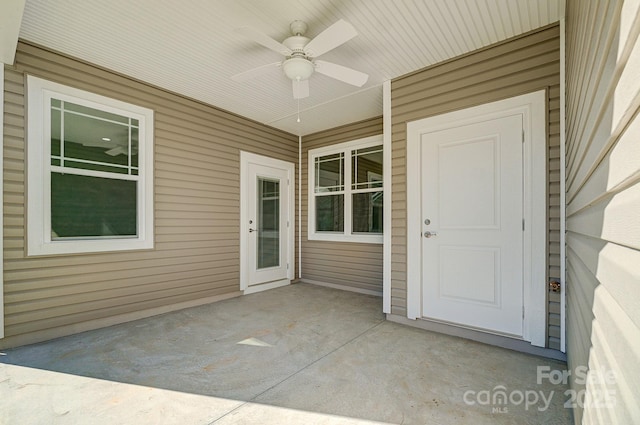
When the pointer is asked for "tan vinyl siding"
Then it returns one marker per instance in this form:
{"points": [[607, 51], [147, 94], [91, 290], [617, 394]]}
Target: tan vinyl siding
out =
{"points": [[603, 204], [517, 66], [553, 216], [353, 265], [197, 201]]}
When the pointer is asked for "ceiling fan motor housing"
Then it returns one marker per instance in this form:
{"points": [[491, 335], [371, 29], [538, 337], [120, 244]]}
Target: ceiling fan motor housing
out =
{"points": [[296, 44], [298, 66]]}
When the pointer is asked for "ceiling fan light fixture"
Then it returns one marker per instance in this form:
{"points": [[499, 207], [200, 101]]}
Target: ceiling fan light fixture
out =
{"points": [[298, 68], [301, 54]]}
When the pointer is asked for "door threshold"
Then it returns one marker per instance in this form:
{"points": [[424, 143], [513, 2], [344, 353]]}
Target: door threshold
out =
{"points": [[265, 286], [472, 328], [478, 336]]}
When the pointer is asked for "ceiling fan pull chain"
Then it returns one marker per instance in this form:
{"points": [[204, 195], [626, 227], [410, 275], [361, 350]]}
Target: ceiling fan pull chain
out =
{"points": [[298, 99]]}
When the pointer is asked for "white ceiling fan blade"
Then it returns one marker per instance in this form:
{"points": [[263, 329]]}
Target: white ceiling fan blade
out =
{"points": [[264, 39], [255, 72], [342, 73], [300, 89], [329, 39]]}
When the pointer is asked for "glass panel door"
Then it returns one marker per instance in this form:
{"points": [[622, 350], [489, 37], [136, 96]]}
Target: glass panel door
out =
{"points": [[267, 233], [268, 203]]}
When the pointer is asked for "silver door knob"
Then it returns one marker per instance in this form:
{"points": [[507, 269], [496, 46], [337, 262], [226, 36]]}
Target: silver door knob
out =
{"points": [[430, 234]]}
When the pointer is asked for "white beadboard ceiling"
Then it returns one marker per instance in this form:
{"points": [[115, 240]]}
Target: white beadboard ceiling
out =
{"points": [[189, 47]]}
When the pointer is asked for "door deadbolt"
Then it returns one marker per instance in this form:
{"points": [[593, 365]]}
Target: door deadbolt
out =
{"points": [[427, 221]]}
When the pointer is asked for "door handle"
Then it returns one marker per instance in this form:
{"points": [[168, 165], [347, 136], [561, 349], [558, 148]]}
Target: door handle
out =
{"points": [[253, 230], [428, 234]]}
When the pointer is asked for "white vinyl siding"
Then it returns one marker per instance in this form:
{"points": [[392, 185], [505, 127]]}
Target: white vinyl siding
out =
{"points": [[603, 208]]}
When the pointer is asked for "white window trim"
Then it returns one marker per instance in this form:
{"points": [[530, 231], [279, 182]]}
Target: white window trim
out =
{"points": [[388, 196], [38, 164], [346, 236]]}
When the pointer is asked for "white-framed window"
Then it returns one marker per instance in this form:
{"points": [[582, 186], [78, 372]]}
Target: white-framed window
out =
{"points": [[89, 172], [345, 192]]}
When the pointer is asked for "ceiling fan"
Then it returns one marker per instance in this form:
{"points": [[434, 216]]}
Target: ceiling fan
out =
{"points": [[112, 147], [300, 56]]}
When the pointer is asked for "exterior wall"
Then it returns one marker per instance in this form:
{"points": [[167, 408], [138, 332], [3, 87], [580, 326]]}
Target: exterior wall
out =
{"points": [[603, 205], [517, 66], [353, 265], [197, 202]]}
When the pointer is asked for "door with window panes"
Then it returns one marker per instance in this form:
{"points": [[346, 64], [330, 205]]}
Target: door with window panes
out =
{"points": [[267, 222]]}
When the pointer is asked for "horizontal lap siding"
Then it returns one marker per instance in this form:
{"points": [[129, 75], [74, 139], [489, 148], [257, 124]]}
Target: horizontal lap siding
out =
{"points": [[353, 265], [521, 65], [197, 201], [603, 206], [553, 217]]}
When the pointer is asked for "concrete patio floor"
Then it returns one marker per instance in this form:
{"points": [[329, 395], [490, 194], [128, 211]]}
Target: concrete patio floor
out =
{"points": [[299, 354]]}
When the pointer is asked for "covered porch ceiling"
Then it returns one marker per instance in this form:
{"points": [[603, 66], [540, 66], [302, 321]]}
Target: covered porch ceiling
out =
{"points": [[191, 47]]}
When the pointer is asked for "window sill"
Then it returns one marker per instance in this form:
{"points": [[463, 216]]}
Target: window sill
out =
{"points": [[87, 246], [332, 237]]}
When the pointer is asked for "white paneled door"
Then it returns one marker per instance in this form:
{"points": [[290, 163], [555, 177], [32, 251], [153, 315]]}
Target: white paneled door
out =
{"points": [[267, 222], [472, 212]]}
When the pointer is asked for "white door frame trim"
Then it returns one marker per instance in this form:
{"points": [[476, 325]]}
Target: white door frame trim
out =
{"points": [[245, 159], [532, 106], [387, 206]]}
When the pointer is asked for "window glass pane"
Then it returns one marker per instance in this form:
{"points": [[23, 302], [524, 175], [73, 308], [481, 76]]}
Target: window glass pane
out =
{"points": [[366, 168], [55, 131], [95, 140], [367, 212], [134, 146], [92, 207], [329, 171], [268, 251], [85, 110], [330, 213]]}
